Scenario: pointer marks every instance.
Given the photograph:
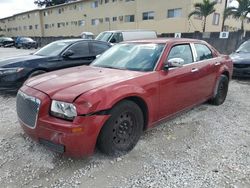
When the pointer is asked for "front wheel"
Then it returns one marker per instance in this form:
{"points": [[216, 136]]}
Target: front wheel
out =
{"points": [[122, 130], [221, 91]]}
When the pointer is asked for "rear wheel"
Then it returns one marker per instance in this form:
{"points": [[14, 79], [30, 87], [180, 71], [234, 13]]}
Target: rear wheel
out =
{"points": [[122, 130], [221, 91]]}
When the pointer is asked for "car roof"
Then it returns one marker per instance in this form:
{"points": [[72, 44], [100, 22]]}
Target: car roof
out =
{"points": [[164, 40], [80, 39]]}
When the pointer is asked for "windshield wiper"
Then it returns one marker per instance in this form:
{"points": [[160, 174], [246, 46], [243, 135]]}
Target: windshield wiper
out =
{"points": [[110, 67]]}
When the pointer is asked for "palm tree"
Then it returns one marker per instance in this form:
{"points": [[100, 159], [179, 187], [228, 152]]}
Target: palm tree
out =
{"points": [[226, 13], [203, 9], [240, 12]]}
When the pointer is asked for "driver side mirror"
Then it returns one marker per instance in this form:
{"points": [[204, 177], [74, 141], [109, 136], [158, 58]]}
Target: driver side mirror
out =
{"points": [[68, 53], [174, 62]]}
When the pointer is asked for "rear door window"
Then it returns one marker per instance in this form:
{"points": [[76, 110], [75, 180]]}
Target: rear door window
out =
{"points": [[98, 48], [80, 49], [203, 52]]}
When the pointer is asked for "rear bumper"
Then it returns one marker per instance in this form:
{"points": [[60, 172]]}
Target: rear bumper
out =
{"points": [[74, 139]]}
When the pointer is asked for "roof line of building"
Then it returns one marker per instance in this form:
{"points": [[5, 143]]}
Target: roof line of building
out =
{"points": [[42, 9]]}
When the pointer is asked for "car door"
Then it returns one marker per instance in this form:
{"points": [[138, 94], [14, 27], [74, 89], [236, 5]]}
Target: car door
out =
{"points": [[178, 85], [97, 48], [207, 68], [76, 55]]}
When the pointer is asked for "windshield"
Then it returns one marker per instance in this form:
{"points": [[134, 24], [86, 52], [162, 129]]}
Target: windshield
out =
{"points": [[137, 57], [104, 36], [53, 49], [245, 47], [27, 40]]}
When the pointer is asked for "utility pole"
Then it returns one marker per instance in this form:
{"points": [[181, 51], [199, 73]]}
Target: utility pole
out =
{"points": [[223, 21]]}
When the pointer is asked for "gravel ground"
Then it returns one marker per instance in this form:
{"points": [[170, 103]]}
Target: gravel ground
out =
{"points": [[208, 146]]}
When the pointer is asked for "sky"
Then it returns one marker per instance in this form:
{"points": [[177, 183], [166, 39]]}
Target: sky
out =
{"points": [[10, 7]]}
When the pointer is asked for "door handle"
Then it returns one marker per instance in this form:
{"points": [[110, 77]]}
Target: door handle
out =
{"points": [[217, 64], [194, 70]]}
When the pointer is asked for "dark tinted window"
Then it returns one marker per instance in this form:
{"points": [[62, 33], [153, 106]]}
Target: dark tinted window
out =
{"points": [[80, 49], [182, 51], [245, 47], [98, 48], [203, 52], [116, 38]]}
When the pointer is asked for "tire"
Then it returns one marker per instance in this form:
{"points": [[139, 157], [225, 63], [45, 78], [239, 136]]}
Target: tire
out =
{"points": [[122, 130], [35, 73], [221, 91]]}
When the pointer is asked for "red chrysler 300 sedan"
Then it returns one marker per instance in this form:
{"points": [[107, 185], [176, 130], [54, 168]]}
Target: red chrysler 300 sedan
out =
{"points": [[131, 87]]}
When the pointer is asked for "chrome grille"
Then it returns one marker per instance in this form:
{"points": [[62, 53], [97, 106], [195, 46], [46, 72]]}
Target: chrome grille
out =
{"points": [[27, 109]]}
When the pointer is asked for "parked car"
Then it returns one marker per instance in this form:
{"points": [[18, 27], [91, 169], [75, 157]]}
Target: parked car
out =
{"points": [[126, 35], [87, 35], [6, 42], [57, 55], [26, 42], [128, 89], [241, 60]]}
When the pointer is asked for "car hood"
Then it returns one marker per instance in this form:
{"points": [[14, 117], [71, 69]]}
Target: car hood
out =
{"points": [[68, 84], [240, 58], [18, 61]]}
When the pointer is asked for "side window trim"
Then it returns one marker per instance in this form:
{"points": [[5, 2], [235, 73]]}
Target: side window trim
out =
{"points": [[194, 52]]}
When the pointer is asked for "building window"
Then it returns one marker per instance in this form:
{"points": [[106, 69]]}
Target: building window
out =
{"points": [[62, 24], [114, 1], [114, 19], [129, 18], [216, 19], [81, 23], [94, 21], [46, 26], [94, 4], [107, 19], [80, 8], [148, 15], [129, 0], [174, 13], [218, 1], [106, 1], [36, 26]]}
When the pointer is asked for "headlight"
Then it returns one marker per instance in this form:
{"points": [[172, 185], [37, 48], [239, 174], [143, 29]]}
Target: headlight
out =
{"points": [[4, 71], [63, 110]]}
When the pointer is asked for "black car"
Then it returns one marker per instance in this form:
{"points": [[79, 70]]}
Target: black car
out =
{"points": [[56, 55], [26, 42], [6, 42], [241, 60]]}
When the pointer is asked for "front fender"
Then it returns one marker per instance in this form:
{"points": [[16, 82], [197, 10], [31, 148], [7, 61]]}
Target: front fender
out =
{"points": [[106, 98]]}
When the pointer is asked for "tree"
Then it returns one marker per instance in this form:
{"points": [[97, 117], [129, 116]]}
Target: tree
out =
{"points": [[226, 13], [48, 3], [240, 12], [203, 9]]}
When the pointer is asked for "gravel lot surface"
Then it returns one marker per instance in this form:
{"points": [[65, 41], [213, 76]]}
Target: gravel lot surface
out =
{"points": [[208, 146]]}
